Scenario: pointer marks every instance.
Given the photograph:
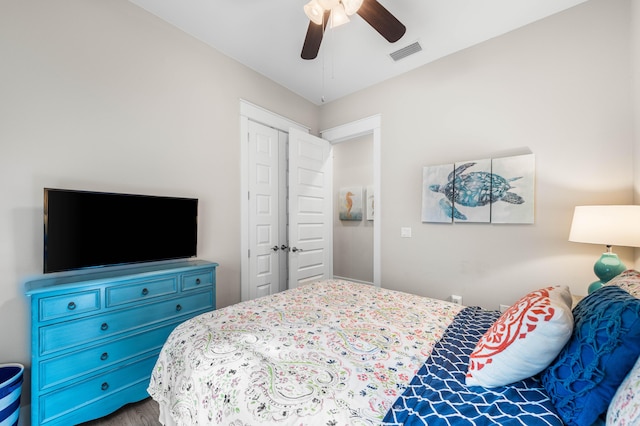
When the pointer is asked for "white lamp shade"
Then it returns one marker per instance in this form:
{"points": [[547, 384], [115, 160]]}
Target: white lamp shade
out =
{"points": [[351, 6], [314, 11], [606, 225]]}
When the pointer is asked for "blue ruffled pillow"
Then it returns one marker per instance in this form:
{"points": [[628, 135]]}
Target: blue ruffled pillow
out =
{"points": [[601, 351]]}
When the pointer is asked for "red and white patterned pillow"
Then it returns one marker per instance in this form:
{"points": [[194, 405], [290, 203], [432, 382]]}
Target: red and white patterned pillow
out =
{"points": [[524, 340]]}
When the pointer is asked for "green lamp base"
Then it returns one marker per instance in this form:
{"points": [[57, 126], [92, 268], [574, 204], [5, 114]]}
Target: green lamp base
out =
{"points": [[594, 286], [608, 266]]}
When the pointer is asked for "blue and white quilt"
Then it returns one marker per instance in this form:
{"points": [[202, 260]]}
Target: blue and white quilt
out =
{"points": [[437, 395]]}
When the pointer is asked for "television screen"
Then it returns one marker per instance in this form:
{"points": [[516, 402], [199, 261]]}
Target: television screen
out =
{"points": [[85, 229]]}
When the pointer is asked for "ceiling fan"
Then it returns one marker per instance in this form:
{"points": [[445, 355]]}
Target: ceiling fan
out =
{"points": [[336, 12]]}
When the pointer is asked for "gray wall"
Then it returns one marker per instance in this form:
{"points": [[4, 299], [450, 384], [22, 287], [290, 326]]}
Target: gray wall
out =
{"points": [[102, 95], [635, 57], [560, 88]]}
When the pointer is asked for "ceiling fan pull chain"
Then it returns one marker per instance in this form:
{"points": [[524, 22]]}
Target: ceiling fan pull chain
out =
{"points": [[323, 70]]}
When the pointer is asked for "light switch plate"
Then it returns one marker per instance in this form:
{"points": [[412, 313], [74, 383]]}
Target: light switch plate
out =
{"points": [[405, 232]]}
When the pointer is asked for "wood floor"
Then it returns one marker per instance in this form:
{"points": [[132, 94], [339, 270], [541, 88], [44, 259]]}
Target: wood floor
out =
{"points": [[143, 413]]}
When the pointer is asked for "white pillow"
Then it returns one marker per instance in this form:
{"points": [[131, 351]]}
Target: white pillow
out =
{"points": [[524, 340], [624, 409], [629, 280]]}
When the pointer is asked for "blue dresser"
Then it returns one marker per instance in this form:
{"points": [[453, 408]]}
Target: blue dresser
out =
{"points": [[96, 335]]}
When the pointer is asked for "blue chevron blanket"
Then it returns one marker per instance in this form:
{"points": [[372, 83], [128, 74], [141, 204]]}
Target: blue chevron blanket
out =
{"points": [[437, 395]]}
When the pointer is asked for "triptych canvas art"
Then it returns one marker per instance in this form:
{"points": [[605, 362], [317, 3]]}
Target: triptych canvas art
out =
{"points": [[493, 190], [498, 190]]}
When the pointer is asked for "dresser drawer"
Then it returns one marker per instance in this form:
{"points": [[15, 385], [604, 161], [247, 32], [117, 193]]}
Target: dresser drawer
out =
{"points": [[68, 305], [64, 401], [69, 367], [101, 407], [197, 280], [69, 334], [139, 291]]}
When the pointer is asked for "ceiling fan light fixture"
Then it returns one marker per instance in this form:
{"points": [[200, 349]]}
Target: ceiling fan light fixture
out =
{"points": [[375, 14], [338, 17], [351, 6], [314, 11], [328, 4]]}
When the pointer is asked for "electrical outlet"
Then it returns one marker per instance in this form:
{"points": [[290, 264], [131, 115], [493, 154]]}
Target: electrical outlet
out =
{"points": [[456, 299], [405, 232]]}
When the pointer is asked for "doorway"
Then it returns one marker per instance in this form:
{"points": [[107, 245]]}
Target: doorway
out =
{"points": [[354, 210], [345, 133]]}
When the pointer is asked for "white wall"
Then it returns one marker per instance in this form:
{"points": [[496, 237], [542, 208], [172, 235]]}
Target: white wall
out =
{"points": [[101, 95], [560, 88], [635, 58]]}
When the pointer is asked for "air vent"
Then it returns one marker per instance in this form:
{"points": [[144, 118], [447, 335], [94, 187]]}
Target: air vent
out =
{"points": [[406, 51]]}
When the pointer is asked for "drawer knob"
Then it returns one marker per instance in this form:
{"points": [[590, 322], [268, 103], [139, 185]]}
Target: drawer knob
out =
{"points": [[145, 291], [104, 326], [104, 356], [197, 281], [71, 306], [178, 308], [105, 386]]}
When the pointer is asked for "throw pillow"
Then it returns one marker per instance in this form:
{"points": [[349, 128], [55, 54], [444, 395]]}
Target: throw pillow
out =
{"points": [[604, 346], [624, 409], [524, 340], [629, 280]]}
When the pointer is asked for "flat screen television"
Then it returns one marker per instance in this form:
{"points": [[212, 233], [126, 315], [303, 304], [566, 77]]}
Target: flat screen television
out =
{"points": [[84, 229]]}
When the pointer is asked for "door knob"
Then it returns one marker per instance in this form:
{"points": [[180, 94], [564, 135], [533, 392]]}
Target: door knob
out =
{"points": [[295, 249], [283, 247], [275, 248]]}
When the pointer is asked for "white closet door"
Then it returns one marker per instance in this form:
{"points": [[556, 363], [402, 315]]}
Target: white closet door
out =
{"points": [[310, 208], [265, 155]]}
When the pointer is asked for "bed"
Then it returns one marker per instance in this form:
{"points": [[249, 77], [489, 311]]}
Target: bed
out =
{"points": [[336, 352]]}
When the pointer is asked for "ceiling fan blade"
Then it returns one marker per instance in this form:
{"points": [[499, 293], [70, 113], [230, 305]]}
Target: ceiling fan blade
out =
{"points": [[382, 20], [313, 38]]}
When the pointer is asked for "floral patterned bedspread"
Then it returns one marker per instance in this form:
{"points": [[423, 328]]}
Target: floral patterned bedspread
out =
{"points": [[326, 353]]}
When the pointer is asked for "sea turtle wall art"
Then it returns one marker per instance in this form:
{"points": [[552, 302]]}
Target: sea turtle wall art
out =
{"points": [[498, 191], [508, 167]]}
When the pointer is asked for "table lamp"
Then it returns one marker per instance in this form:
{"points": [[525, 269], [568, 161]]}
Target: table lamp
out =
{"points": [[608, 225]]}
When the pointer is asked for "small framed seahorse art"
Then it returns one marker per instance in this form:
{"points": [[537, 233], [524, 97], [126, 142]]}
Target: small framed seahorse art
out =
{"points": [[350, 203]]}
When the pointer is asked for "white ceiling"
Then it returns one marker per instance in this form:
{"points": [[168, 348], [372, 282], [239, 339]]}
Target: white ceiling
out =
{"points": [[267, 36]]}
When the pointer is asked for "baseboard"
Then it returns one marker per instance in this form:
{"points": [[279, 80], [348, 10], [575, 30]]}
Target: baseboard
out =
{"points": [[352, 280]]}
